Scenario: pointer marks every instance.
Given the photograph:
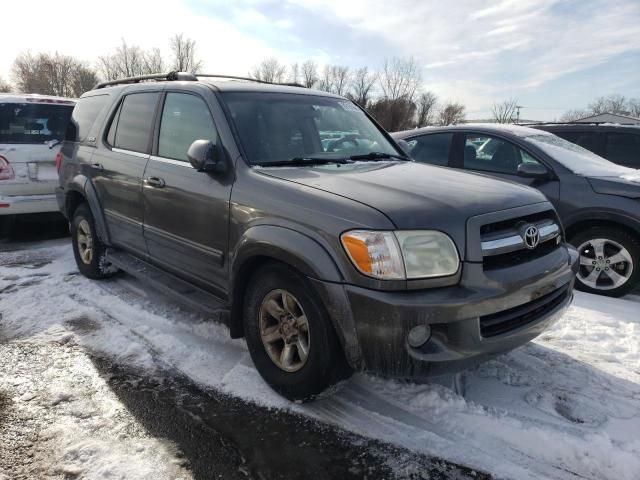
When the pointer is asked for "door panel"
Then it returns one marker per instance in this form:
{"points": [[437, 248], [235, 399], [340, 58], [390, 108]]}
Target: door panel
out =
{"points": [[117, 171], [186, 212]]}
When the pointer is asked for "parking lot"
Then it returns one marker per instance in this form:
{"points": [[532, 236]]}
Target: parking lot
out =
{"points": [[93, 371]]}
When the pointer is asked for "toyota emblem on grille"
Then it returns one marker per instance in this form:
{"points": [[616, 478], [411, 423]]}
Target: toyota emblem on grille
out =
{"points": [[531, 236]]}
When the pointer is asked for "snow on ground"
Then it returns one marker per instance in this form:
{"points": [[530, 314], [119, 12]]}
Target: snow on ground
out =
{"points": [[564, 406]]}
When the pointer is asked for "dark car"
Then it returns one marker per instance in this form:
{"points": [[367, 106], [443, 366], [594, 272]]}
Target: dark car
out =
{"points": [[298, 219], [617, 143], [598, 201]]}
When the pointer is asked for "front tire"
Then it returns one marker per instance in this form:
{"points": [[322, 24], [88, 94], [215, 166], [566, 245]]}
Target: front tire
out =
{"points": [[88, 250], [609, 261], [289, 334]]}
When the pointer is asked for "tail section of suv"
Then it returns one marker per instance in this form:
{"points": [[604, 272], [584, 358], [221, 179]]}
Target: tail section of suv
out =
{"points": [[31, 130], [294, 215]]}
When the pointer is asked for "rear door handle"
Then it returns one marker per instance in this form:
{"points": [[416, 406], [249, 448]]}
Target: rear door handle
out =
{"points": [[154, 182], [97, 166]]}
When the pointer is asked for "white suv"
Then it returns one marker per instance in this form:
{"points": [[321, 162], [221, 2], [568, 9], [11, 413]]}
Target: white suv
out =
{"points": [[32, 127]]}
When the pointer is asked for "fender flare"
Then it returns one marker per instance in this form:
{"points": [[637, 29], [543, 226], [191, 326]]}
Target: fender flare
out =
{"points": [[308, 257], [602, 215], [82, 185]]}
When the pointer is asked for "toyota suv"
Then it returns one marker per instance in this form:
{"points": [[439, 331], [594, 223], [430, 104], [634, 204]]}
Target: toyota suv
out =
{"points": [[298, 219]]}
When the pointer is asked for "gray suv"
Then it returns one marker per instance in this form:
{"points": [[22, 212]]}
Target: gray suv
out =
{"points": [[292, 214]]}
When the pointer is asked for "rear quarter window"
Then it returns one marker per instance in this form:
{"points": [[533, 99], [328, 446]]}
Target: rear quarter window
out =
{"points": [[84, 116]]}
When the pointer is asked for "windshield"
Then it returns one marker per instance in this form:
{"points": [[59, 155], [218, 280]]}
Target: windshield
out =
{"points": [[577, 159], [33, 123], [275, 128]]}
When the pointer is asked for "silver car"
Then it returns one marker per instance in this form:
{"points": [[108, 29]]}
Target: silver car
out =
{"points": [[32, 128]]}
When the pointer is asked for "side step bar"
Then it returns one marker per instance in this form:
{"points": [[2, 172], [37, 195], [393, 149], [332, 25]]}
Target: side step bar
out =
{"points": [[181, 291]]}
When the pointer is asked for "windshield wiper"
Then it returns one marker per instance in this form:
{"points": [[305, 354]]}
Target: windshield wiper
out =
{"points": [[303, 161], [378, 156]]}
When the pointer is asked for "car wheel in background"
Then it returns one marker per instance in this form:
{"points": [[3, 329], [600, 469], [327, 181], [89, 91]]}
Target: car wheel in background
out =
{"points": [[7, 223], [89, 251], [609, 261], [290, 336]]}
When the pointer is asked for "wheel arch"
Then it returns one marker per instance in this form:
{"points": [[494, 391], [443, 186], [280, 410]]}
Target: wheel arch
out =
{"points": [[80, 190], [263, 244]]}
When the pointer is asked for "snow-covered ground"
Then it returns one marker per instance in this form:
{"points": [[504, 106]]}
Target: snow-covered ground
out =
{"points": [[564, 406]]}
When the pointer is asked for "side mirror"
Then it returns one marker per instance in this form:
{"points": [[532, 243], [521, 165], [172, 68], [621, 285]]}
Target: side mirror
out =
{"points": [[203, 156], [533, 170]]}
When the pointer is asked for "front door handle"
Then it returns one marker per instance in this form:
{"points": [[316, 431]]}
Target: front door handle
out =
{"points": [[154, 182], [97, 166]]}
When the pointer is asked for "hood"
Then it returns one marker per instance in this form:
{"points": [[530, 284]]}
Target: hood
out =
{"points": [[626, 185], [413, 195]]}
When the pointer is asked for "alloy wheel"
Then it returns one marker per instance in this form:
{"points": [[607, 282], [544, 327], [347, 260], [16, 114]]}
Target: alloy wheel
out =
{"points": [[284, 330], [604, 264], [85, 241]]}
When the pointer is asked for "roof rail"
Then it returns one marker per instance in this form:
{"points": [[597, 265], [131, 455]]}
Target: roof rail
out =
{"points": [[171, 76], [249, 79]]}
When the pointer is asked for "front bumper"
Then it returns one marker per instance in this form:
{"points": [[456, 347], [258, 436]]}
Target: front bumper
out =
{"points": [[530, 297], [24, 204]]}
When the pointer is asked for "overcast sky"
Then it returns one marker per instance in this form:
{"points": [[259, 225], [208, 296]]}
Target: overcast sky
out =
{"points": [[552, 55]]}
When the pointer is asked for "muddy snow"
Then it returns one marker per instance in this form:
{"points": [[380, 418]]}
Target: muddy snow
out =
{"points": [[565, 406]]}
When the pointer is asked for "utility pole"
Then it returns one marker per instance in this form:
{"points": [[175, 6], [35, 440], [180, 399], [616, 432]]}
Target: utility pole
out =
{"points": [[518, 107]]}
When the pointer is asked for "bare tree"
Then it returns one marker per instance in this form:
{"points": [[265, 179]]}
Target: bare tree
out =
{"points": [[573, 115], [130, 61], [309, 74], [609, 104], [362, 82], [393, 115], [84, 79], [325, 82], [634, 107], [269, 70], [183, 51], [399, 78], [451, 113], [426, 109], [504, 111], [4, 86], [294, 73], [52, 74]]}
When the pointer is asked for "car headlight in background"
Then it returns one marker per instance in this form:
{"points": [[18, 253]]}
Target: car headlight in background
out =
{"points": [[403, 254]]}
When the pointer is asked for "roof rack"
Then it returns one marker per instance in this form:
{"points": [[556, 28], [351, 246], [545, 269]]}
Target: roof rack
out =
{"points": [[184, 76], [576, 122], [172, 76], [249, 79]]}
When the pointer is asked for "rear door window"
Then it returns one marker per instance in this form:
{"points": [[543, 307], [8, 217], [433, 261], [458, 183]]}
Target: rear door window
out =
{"points": [[84, 116], [493, 154], [623, 148], [433, 149], [33, 123], [185, 119], [134, 123]]}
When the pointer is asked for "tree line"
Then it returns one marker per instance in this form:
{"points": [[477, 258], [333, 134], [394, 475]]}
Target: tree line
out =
{"points": [[393, 95], [616, 103], [66, 76]]}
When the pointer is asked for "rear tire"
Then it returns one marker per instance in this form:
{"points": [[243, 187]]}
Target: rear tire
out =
{"points": [[88, 250], [315, 359], [609, 261], [7, 223]]}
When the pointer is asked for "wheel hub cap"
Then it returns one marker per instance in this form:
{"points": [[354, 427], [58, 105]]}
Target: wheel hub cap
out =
{"points": [[284, 330], [85, 242]]}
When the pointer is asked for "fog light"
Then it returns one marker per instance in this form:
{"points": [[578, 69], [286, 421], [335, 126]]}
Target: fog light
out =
{"points": [[419, 335]]}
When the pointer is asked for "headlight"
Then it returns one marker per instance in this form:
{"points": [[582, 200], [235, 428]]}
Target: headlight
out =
{"points": [[400, 255]]}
